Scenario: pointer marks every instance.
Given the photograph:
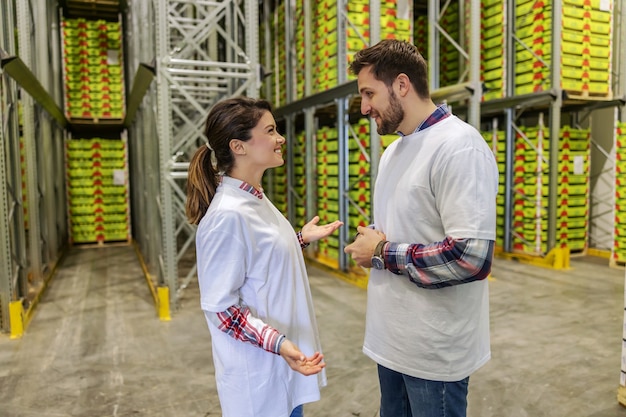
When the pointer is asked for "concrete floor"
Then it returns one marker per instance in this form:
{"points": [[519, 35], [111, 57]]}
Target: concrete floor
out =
{"points": [[96, 348]]}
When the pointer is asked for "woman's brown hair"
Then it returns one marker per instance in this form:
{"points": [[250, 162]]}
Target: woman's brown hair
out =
{"points": [[228, 119]]}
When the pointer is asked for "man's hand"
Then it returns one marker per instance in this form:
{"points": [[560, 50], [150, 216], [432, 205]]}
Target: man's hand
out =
{"points": [[364, 245], [312, 232], [298, 362]]}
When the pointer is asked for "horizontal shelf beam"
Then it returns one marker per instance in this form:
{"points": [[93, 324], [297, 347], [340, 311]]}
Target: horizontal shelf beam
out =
{"points": [[17, 70]]}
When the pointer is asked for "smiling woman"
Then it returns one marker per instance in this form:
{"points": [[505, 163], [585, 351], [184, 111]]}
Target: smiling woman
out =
{"points": [[254, 288]]}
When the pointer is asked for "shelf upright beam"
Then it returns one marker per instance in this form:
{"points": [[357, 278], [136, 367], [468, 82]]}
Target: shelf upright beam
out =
{"points": [[290, 132], [24, 33], [49, 166], [473, 114], [619, 49], [434, 10], [375, 148], [343, 132], [620, 53], [206, 51], [555, 122], [509, 120], [310, 147], [13, 253]]}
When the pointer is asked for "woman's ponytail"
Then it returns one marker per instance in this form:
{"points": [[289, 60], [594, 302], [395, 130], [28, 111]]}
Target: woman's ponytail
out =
{"points": [[202, 181]]}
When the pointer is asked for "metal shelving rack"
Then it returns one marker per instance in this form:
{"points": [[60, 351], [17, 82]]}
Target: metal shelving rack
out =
{"points": [[203, 52], [30, 254], [342, 99]]}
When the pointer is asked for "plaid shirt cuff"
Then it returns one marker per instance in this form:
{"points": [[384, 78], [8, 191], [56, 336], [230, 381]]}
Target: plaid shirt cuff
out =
{"points": [[396, 257], [301, 240]]}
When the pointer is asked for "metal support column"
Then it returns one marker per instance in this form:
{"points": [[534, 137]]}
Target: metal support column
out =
{"points": [[620, 61], [375, 148], [555, 123], [473, 111], [24, 30], [46, 149], [508, 126], [13, 253]]}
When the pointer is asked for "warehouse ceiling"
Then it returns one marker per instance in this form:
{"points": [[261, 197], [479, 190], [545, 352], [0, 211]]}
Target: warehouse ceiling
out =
{"points": [[100, 9]]}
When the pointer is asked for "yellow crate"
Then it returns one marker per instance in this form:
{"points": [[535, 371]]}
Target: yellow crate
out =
{"points": [[599, 88], [600, 28], [572, 85], [599, 64], [600, 52], [601, 76], [572, 60], [574, 24], [600, 16]]}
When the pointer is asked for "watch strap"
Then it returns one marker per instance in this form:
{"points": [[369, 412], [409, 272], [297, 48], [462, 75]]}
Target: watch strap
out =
{"points": [[379, 249]]}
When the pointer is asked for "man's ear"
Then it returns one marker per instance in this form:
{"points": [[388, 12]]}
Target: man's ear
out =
{"points": [[237, 147], [402, 84]]}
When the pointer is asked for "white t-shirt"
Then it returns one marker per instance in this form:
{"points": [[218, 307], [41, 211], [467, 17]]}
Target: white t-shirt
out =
{"points": [[248, 254], [440, 181]]}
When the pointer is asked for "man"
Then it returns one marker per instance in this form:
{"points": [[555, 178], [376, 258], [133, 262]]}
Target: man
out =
{"points": [[431, 245]]}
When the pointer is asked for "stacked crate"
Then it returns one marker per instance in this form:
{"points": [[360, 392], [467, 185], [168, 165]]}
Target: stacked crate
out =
{"points": [[328, 189], [619, 240], [492, 42], [449, 56], [532, 177], [359, 212], [585, 47], [280, 57], [325, 62], [299, 186], [497, 142], [325, 36], [574, 190], [93, 71], [420, 34], [279, 187], [97, 187]]}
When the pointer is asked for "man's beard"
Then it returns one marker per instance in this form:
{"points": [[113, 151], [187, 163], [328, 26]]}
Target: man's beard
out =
{"points": [[393, 116]]}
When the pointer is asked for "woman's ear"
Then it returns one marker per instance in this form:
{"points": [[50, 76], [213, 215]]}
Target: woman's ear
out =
{"points": [[237, 147]]}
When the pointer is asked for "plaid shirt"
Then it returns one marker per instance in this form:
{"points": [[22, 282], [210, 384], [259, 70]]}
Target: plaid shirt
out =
{"points": [[238, 322], [441, 264]]}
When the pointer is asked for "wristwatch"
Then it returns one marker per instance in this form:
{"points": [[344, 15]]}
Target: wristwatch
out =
{"points": [[378, 260]]}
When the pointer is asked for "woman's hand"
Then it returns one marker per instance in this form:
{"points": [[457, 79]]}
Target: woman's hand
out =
{"points": [[312, 232], [299, 362]]}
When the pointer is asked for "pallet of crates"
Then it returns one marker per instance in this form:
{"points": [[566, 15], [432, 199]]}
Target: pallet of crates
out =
{"points": [[92, 70], [359, 211], [531, 188], [493, 62], [618, 257], [97, 187], [574, 189], [585, 47], [328, 192], [496, 140], [299, 164], [533, 28]]}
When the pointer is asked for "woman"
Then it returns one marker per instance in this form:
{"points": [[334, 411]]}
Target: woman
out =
{"points": [[254, 288]]}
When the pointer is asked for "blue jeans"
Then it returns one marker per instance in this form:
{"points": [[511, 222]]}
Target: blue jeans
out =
{"points": [[297, 412], [407, 396]]}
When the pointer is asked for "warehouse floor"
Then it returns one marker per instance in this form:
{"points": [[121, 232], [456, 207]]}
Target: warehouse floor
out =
{"points": [[96, 348]]}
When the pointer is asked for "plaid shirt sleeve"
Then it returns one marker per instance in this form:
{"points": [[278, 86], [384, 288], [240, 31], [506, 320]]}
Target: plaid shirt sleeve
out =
{"points": [[237, 322], [441, 264]]}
